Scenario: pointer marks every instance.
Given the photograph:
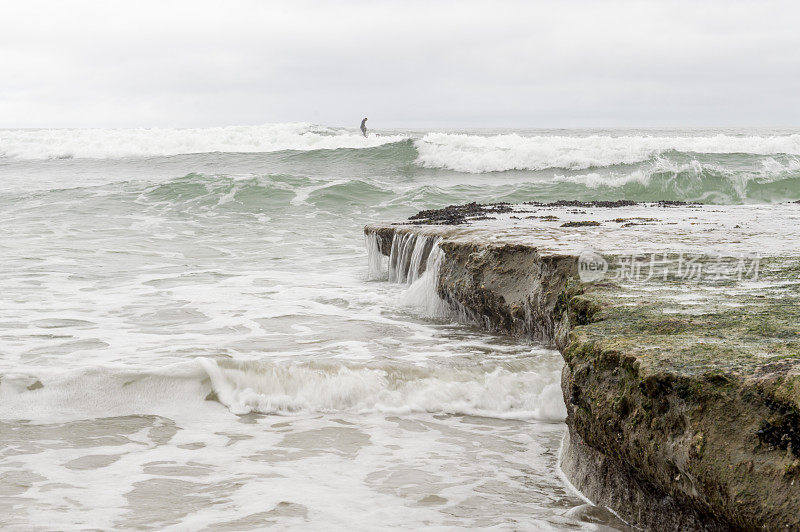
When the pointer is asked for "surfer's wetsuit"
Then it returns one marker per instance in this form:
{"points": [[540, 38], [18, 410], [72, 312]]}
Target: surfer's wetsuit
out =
{"points": [[364, 127]]}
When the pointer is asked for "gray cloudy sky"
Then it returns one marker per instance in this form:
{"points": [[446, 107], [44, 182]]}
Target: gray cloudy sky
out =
{"points": [[403, 64]]}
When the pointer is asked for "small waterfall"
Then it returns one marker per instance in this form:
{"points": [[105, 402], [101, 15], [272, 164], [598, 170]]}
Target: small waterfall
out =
{"points": [[375, 271], [422, 292], [413, 260], [399, 256], [408, 257]]}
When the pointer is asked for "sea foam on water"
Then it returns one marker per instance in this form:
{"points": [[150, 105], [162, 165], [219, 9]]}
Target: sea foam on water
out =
{"points": [[190, 316]]}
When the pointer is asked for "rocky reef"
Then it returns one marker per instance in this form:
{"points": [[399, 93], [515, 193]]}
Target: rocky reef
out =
{"points": [[679, 326]]}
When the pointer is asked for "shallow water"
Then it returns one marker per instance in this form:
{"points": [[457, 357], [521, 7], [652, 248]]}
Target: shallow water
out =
{"points": [[190, 336]]}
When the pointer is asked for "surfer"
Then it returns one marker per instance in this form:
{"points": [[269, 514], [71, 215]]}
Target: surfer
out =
{"points": [[364, 127]]}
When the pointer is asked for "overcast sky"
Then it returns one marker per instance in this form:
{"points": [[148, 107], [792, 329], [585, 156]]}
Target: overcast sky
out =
{"points": [[403, 64]]}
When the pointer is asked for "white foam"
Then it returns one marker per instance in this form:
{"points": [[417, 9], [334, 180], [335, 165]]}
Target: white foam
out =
{"points": [[117, 143], [375, 262], [422, 292], [175, 390], [769, 170], [643, 175], [525, 390], [414, 260], [498, 153], [288, 388]]}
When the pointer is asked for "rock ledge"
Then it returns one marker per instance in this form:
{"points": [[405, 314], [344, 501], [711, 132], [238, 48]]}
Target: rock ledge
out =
{"points": [[683, 393]]}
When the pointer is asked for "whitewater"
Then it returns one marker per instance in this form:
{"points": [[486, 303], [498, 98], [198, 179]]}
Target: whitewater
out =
{"points": [[195, 334]]}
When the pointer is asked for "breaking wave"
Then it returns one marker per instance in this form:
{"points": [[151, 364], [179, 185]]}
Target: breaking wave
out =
{"points": [[467, 153], [119, 143], [659, 180], [335, 168], [499, 153], [215, 195], [525, 389], [505, 392]]}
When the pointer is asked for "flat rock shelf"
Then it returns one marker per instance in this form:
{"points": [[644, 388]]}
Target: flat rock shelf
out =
{"points": [[679, 325]]}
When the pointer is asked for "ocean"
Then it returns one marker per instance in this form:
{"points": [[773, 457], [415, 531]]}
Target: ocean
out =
{"points": [[192, 337]]}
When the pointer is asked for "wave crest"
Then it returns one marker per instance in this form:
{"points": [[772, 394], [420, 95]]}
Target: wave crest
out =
{"points": [[119, 143], [519, 393], [499, 153]]}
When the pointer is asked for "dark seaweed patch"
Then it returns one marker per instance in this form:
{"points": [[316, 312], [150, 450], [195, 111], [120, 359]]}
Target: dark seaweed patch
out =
{"points": [[582, 223]]}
